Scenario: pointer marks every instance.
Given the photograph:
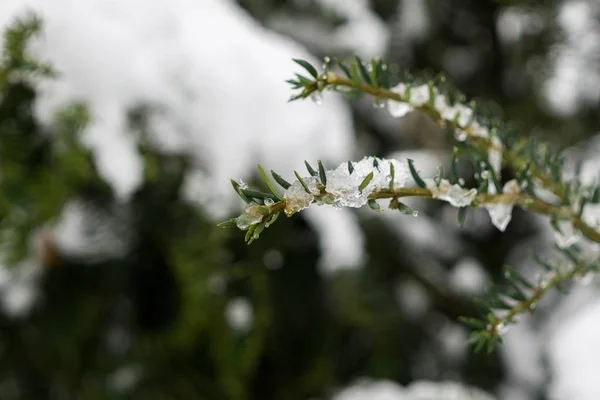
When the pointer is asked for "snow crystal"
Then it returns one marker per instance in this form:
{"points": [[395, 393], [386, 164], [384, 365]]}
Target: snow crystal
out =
{"points": [[343, 188], [419, 95], [399, 109], [479, 131], [453, 194], [464, 113]]}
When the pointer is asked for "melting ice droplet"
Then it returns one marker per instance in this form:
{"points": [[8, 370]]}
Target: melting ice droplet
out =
{"points": [[501, 213], [249, 217], [567, 234], [317, 97], [453, 194], [296, 198], [399, 109]]}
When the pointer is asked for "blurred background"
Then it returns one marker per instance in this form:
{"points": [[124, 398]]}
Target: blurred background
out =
{"points": [[115, 282]]}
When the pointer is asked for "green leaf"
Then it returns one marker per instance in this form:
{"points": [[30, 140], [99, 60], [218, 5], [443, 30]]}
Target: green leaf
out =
{"points": [[545, 264], [350, 168], [249, 233], [257, 231], [271, 220], [310, 169], [374, 70], [514, 275], [304, 80], [375, 163], [462, 215], [392, 176], [307, 66], [415, 175], [322, 174], [431, 94], [230, 223], [494, 178], [302, 182], [365, 182], [498, 304], [282, 182], [363, 71], [453, 178], [344, 68], [355, 74], [374, 205], [595, 198], [265, 178], [404, 209], [264, 211], [258, 195], [473, 323], [238, 190]]}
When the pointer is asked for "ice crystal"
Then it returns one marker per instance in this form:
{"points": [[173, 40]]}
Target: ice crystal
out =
{"points": [[479, 131], [501, 213], [343, 188], [462, 113], [419, 95], [297, 198], [249, 217], [453, 194], [566, 235], [495, 155], [398, 109]]}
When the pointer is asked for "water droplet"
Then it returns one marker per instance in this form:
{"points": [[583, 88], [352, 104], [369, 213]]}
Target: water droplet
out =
{"points": [[415, 214], [379, 103], [384, 67], [460, 135], [317, 98], [268, 202], [243, 185], [461, 181]]}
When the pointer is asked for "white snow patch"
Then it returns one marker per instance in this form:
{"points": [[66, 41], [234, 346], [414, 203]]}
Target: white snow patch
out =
{"points": [[468, 277], [574, 352], [215, 74]]}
